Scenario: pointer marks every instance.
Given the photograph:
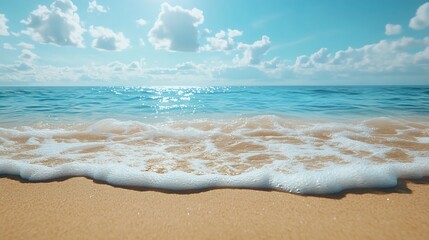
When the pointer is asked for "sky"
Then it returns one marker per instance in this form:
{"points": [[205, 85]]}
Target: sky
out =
{"points": [[213, 42]]}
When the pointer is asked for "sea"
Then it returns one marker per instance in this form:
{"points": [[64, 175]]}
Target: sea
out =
{"points": [[298, 139]]}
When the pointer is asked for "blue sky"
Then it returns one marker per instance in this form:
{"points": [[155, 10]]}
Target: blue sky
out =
{"points": [[208, 42]]}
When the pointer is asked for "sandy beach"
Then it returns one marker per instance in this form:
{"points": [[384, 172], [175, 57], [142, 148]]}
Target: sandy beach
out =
{"points": [[80, 208]]}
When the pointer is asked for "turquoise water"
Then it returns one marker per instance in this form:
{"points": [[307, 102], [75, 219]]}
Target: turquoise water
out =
{"points": [[307, 140], [63, 104]]}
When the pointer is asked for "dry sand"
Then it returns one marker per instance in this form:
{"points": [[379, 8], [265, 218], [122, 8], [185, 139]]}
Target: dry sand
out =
{"points": [[79, 208]]}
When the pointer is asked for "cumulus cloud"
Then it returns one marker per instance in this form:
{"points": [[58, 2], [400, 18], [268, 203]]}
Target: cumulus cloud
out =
{"points": [[107, 40], [205, 33], [248, 73], [116, 69], [58, 24], [186, 66], [421, 19], [184, 69], [3, 26], [93, 6], [176, 29], [393, 29], [23, 66], [135, 65], [253, 53], [22, 69], [25, 45], [8, 46], [16, 71], [27, 56], [272, 64], [141, 22], [382, 57], [190, 68], [222, 41]]}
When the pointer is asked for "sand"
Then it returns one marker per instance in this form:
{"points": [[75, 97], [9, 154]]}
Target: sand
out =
{"points": [[80, 208]]}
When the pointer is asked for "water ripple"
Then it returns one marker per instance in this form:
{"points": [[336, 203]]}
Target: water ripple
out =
{"points": [[73, 103]]}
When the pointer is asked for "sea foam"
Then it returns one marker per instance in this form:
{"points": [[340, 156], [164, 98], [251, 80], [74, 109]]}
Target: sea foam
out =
{"points": [[262, 152]]}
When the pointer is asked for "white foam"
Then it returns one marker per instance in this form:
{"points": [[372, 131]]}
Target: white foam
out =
{"points": [[264, 152], [328, 181]]}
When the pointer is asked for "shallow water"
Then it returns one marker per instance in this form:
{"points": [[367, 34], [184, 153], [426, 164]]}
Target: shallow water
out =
{"points": [[296, 139], [86, 104]]}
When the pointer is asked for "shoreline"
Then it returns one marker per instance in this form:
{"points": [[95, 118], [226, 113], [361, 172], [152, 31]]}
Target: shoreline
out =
{"points": [[82, 208]]}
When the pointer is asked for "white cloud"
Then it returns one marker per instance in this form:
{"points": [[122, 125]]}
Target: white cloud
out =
{"points": [[16, 71], [22, 69], [116, 72], [135, 66], [23, 66], [3, 26], [25, 71], [222, 41], [188, 69], [272, 64], [422, 57], [238, 73], [234, 33], [176, 29], [59, 24], [393, 29], [141, 22], [27, 56], [253, 53], [186, 66], [25, 45], [8, 46], [93, 6], [106, 39], [421, 19], [382, 57], [205, 33]]}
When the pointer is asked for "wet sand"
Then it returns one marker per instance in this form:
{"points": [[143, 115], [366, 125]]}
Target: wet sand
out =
{"points": [[80, 208]]}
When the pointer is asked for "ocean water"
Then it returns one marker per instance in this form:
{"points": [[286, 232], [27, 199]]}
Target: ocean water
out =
{"points": [[308, 140]]}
